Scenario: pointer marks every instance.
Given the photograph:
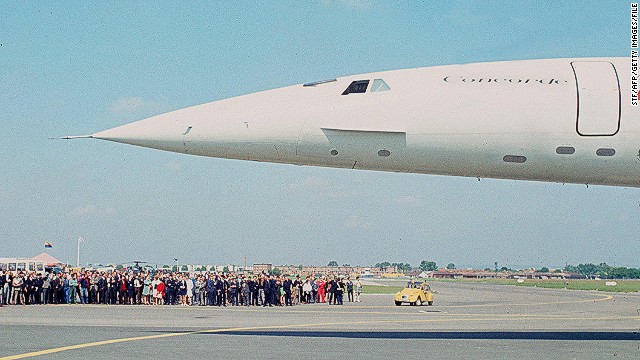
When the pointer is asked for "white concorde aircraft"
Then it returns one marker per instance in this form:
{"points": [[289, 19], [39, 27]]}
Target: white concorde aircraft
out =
{"points": [[559, 120]]}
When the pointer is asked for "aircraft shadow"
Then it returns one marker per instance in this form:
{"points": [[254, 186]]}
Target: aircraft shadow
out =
{"points": [[448, 335]]}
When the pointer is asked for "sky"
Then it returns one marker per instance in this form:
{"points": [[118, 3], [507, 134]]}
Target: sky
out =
{"points": [[81, 67]]}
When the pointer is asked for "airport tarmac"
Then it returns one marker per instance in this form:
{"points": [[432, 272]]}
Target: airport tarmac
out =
{"points": [[480, 321]]}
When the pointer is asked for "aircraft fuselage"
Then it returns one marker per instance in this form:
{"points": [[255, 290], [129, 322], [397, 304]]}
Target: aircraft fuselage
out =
{"points": [[559, 120]]}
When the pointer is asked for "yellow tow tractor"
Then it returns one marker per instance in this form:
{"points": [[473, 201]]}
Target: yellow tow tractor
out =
{"points": [[414, 293]]}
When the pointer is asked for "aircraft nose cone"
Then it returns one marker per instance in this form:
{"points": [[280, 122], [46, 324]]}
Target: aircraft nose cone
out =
{"points": [[151, 132], [125, 133]]}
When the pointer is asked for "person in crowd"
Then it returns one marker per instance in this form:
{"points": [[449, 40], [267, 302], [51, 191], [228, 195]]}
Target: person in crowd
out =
{"points": [[27, 289], [221, 298], [297, 290], [331, 287], [306, 291], [339, 291], [211, 290], [259, 300], [3, 287], [83, 287], [171, 288], [131, 289], [55, 287], [138, 283], [197, 290], [246, 293], [203, 290], [122, 287], [37, 291], [72, 284], [160, 288], [146, 290], [3, 279], [233, 289], [182, 290], [349, 287], [253, 291], [266, 285], [190, 289], [321, 289], [102, 289], [273, 294], [16, 289], [288, 287], [93, 289], [358, 288], [154, 288], [314, 289]]}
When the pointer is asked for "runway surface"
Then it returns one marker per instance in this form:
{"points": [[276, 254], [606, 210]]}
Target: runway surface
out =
{"points": [[478, 321]]}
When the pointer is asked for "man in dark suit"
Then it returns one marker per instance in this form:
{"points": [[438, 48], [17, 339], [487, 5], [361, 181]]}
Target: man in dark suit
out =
{"points": [[3, 280], [37, 291], [221, 290], [102, 289], [267, 291], [287, 284], [272, 293], [211, 290]]}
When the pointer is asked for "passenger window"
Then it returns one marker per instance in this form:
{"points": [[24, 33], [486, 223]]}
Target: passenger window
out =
{"points": [[358, 86], [514, 159], [605, 152], [565, 150], [379, 85]]}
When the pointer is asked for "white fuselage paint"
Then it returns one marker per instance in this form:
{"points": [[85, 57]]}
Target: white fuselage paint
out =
{"points": [[462, 120]]}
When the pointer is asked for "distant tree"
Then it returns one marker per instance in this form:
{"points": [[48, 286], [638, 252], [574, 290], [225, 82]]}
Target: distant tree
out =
{"points": [[299, 267], [558, 271], [346, 265], [119, 267], [451, 266], [402, 267], [174, 268], [603, 270], [225, 269], [275, 272], [383, 264], [165, 266], [624, 273], [587, 269], [332, 263], [428, 265], [544, 269], [504, 268], [487, 269], [185, 268]]}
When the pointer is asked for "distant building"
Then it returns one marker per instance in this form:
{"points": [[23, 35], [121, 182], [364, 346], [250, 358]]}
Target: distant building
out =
{"points": [[488, 274], [262, 268]]}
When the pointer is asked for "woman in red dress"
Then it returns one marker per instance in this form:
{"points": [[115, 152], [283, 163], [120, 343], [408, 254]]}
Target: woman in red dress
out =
{"points": [[160, 293], [322, 285]]}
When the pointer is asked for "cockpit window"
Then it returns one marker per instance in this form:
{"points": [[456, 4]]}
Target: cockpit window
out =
{"points": [[379, 85], [358, 86]]}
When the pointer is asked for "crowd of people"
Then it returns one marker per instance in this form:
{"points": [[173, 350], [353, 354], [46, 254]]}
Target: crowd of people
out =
{"points": [[174, 288]]}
